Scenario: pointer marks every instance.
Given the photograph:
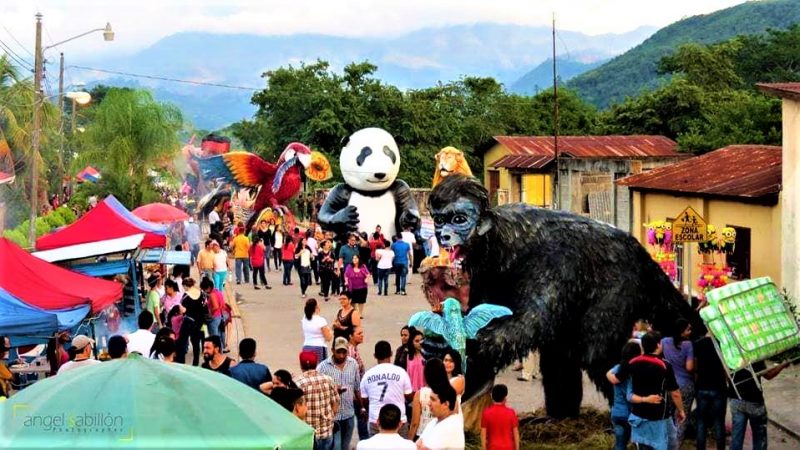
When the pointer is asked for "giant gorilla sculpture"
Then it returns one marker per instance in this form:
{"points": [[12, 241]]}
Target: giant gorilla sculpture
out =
{"points": [[575, 286]]}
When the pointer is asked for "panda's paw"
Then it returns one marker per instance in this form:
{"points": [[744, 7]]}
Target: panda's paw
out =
{"points": [[347, 216]]}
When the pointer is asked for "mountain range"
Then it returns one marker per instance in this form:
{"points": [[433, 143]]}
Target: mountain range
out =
{"points": [[415, 60], [636, 70]]}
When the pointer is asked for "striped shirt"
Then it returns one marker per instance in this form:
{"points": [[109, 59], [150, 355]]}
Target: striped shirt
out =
{"points": [[321, 398], [347, 377]]}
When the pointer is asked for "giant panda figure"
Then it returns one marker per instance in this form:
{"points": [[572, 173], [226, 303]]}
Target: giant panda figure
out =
{"points": [[371, 195]]}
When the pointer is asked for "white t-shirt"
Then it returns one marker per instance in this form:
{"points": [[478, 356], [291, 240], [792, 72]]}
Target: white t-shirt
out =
{"points": [[312, 244], [445, 435], [141, 341], [221, 261], [213, 217], [384, 384], [409, 237], [433, 245], [312, 331], [71, 365], [386, 441], [278, 239], [385, 257]]}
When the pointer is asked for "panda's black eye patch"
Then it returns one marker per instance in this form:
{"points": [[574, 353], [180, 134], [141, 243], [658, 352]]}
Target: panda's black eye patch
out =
{"points": [[366, 151], [388, 152]]}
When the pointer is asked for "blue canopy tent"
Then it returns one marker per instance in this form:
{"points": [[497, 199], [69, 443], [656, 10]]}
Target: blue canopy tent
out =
{"points": [[27, 324]]}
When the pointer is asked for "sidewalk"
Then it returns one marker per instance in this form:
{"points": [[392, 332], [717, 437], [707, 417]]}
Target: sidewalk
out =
{"points": [[782, 394]]}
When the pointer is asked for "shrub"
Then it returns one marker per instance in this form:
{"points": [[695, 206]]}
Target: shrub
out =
{"points": [[42, 226], [67, 214], [54, 219], [16, 237]]}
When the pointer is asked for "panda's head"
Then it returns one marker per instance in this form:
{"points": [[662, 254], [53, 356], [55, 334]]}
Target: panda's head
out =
{"points": [[370, 161]]}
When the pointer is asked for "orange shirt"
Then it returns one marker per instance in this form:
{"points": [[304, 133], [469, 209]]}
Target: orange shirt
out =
{"points": [[241, 246], [205, 260]]}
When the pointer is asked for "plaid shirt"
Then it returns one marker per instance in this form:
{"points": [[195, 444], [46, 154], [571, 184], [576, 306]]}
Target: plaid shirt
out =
{"points": [[346, 377], [353, 353], [321, 398]]}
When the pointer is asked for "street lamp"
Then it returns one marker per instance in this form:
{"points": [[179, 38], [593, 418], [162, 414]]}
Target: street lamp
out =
{"points": [[78, 98], [108, 35]]}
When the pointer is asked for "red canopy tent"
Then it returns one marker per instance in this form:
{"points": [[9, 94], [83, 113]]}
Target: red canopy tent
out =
{"points": [[99, 224], [47, 286]]}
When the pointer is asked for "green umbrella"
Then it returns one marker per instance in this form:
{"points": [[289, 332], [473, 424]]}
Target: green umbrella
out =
{"points": [[143, 403]]}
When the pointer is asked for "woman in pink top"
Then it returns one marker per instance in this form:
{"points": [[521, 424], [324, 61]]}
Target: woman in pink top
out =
{"points": [[355, 280], [415, 363], [172, 297]]}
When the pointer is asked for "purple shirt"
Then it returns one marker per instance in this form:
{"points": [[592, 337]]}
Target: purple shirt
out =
{"points": [[677, 358], [356, 280]]}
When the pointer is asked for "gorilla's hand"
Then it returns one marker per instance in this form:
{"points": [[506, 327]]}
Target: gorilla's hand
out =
{"points": [[347, 218]]}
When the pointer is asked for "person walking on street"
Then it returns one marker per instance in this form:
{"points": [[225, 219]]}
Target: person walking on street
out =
{"points": [[355, 276], [322, 400], [303, 257], [499, 424], [385, 259], [277, 245], [313, 245], [344, 372], [241, 255], [248, 371], [747, 404], [326, 260], [264, 233], [194, 308], [446, 430], [257, 260], [347, 318], [287, 256], [192, 235], [316, 331], [213, 357], [621, 408], [383, 384], [712, 400], [221, 265], [346, 254], [205, 261], [402, 256]]}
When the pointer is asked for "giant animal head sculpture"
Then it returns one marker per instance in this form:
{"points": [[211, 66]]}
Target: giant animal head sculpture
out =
{"points": [[457, 222], [449, 161], [294, 154], [371, 160]]}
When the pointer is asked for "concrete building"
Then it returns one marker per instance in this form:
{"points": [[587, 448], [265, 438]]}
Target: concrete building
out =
{"points": [[523, 169], [790, 197], [737, 186]]}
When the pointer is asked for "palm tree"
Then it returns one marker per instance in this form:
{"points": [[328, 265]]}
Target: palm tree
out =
{"points": [[129, 135]]}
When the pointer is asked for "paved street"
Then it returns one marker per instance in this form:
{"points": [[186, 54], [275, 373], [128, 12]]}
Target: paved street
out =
{"points": [[272, 317]]}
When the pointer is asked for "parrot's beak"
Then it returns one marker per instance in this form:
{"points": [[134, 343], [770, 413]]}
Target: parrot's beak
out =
{"points": [[304, 159]]}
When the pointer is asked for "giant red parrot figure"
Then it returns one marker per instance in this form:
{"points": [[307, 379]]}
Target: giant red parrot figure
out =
{"points": [[279, 182]]}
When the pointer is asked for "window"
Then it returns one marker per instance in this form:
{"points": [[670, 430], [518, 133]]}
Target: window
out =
{"points": [[679, 266], [739, 261]]}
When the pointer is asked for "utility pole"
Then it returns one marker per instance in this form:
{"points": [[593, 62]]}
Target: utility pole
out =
{"points": [[556, 187], [36, 135], [61, 122]]}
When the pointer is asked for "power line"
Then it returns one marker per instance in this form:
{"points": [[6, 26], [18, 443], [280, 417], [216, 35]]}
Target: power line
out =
{"points": [[13, 55], [175, 80], [18, 43]]}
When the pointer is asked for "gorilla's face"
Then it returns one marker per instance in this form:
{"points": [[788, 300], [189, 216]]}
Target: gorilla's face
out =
{"points": [[455, 224]]}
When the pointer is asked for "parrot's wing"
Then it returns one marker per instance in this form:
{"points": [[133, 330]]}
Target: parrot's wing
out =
{"points": [[429, 321], [481, 315], [239, 168]]}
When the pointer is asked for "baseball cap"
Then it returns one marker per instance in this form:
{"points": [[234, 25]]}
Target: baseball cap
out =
{"points": [[340, 343], [308, 358], [81, 341]]}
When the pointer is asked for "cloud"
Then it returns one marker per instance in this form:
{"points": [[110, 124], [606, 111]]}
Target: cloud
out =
{"points": [[411, 61], [140, 23]]}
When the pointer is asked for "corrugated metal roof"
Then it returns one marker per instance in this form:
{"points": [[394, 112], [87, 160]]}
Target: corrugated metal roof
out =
{"points": [[627, 147], [523, 161], [784, 90], [749, 171]]}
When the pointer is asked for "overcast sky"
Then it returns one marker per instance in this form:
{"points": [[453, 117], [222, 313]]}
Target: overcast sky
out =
{"points": [[140, 23]]}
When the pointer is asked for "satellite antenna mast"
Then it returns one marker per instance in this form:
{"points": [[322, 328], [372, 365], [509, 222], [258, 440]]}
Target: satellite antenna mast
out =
{"points": [[556, 189]]}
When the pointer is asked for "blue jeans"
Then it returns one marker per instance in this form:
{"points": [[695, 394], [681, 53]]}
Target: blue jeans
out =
{"points": [[756, 413], [242, 264], [343, 437], [400, 274], [287, 272], [213, 327], [622, 432], [383, 281], [711, 406], [323, 443], [194, 249]]}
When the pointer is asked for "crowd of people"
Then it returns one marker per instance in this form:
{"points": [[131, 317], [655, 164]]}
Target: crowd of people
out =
{"points": [[659, 379]]}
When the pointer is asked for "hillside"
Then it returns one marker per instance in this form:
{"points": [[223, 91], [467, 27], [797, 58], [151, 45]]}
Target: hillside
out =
{"points": [[541, 77], [634, 71], [415, 60]]}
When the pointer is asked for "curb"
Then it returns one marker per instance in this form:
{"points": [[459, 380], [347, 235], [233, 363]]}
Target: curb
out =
{"points": [[784, 428]]}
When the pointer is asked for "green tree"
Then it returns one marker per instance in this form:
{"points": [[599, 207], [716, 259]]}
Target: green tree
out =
{"points": [[130, 135]]}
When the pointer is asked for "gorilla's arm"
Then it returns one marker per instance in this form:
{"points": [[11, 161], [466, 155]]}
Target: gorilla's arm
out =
{"points": [[336, 215], [407, 209]]}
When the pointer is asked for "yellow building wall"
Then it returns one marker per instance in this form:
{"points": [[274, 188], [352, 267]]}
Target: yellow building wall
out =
{"points": [[790, 198], [537, 189], [764, 223]]}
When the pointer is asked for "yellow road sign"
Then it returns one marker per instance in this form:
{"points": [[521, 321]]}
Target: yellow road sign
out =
{"points": [[689, 226]]}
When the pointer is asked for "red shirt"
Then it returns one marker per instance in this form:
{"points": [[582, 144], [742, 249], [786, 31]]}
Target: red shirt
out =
{"points": [[499, 421], [257, 255], [287, 252]]}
